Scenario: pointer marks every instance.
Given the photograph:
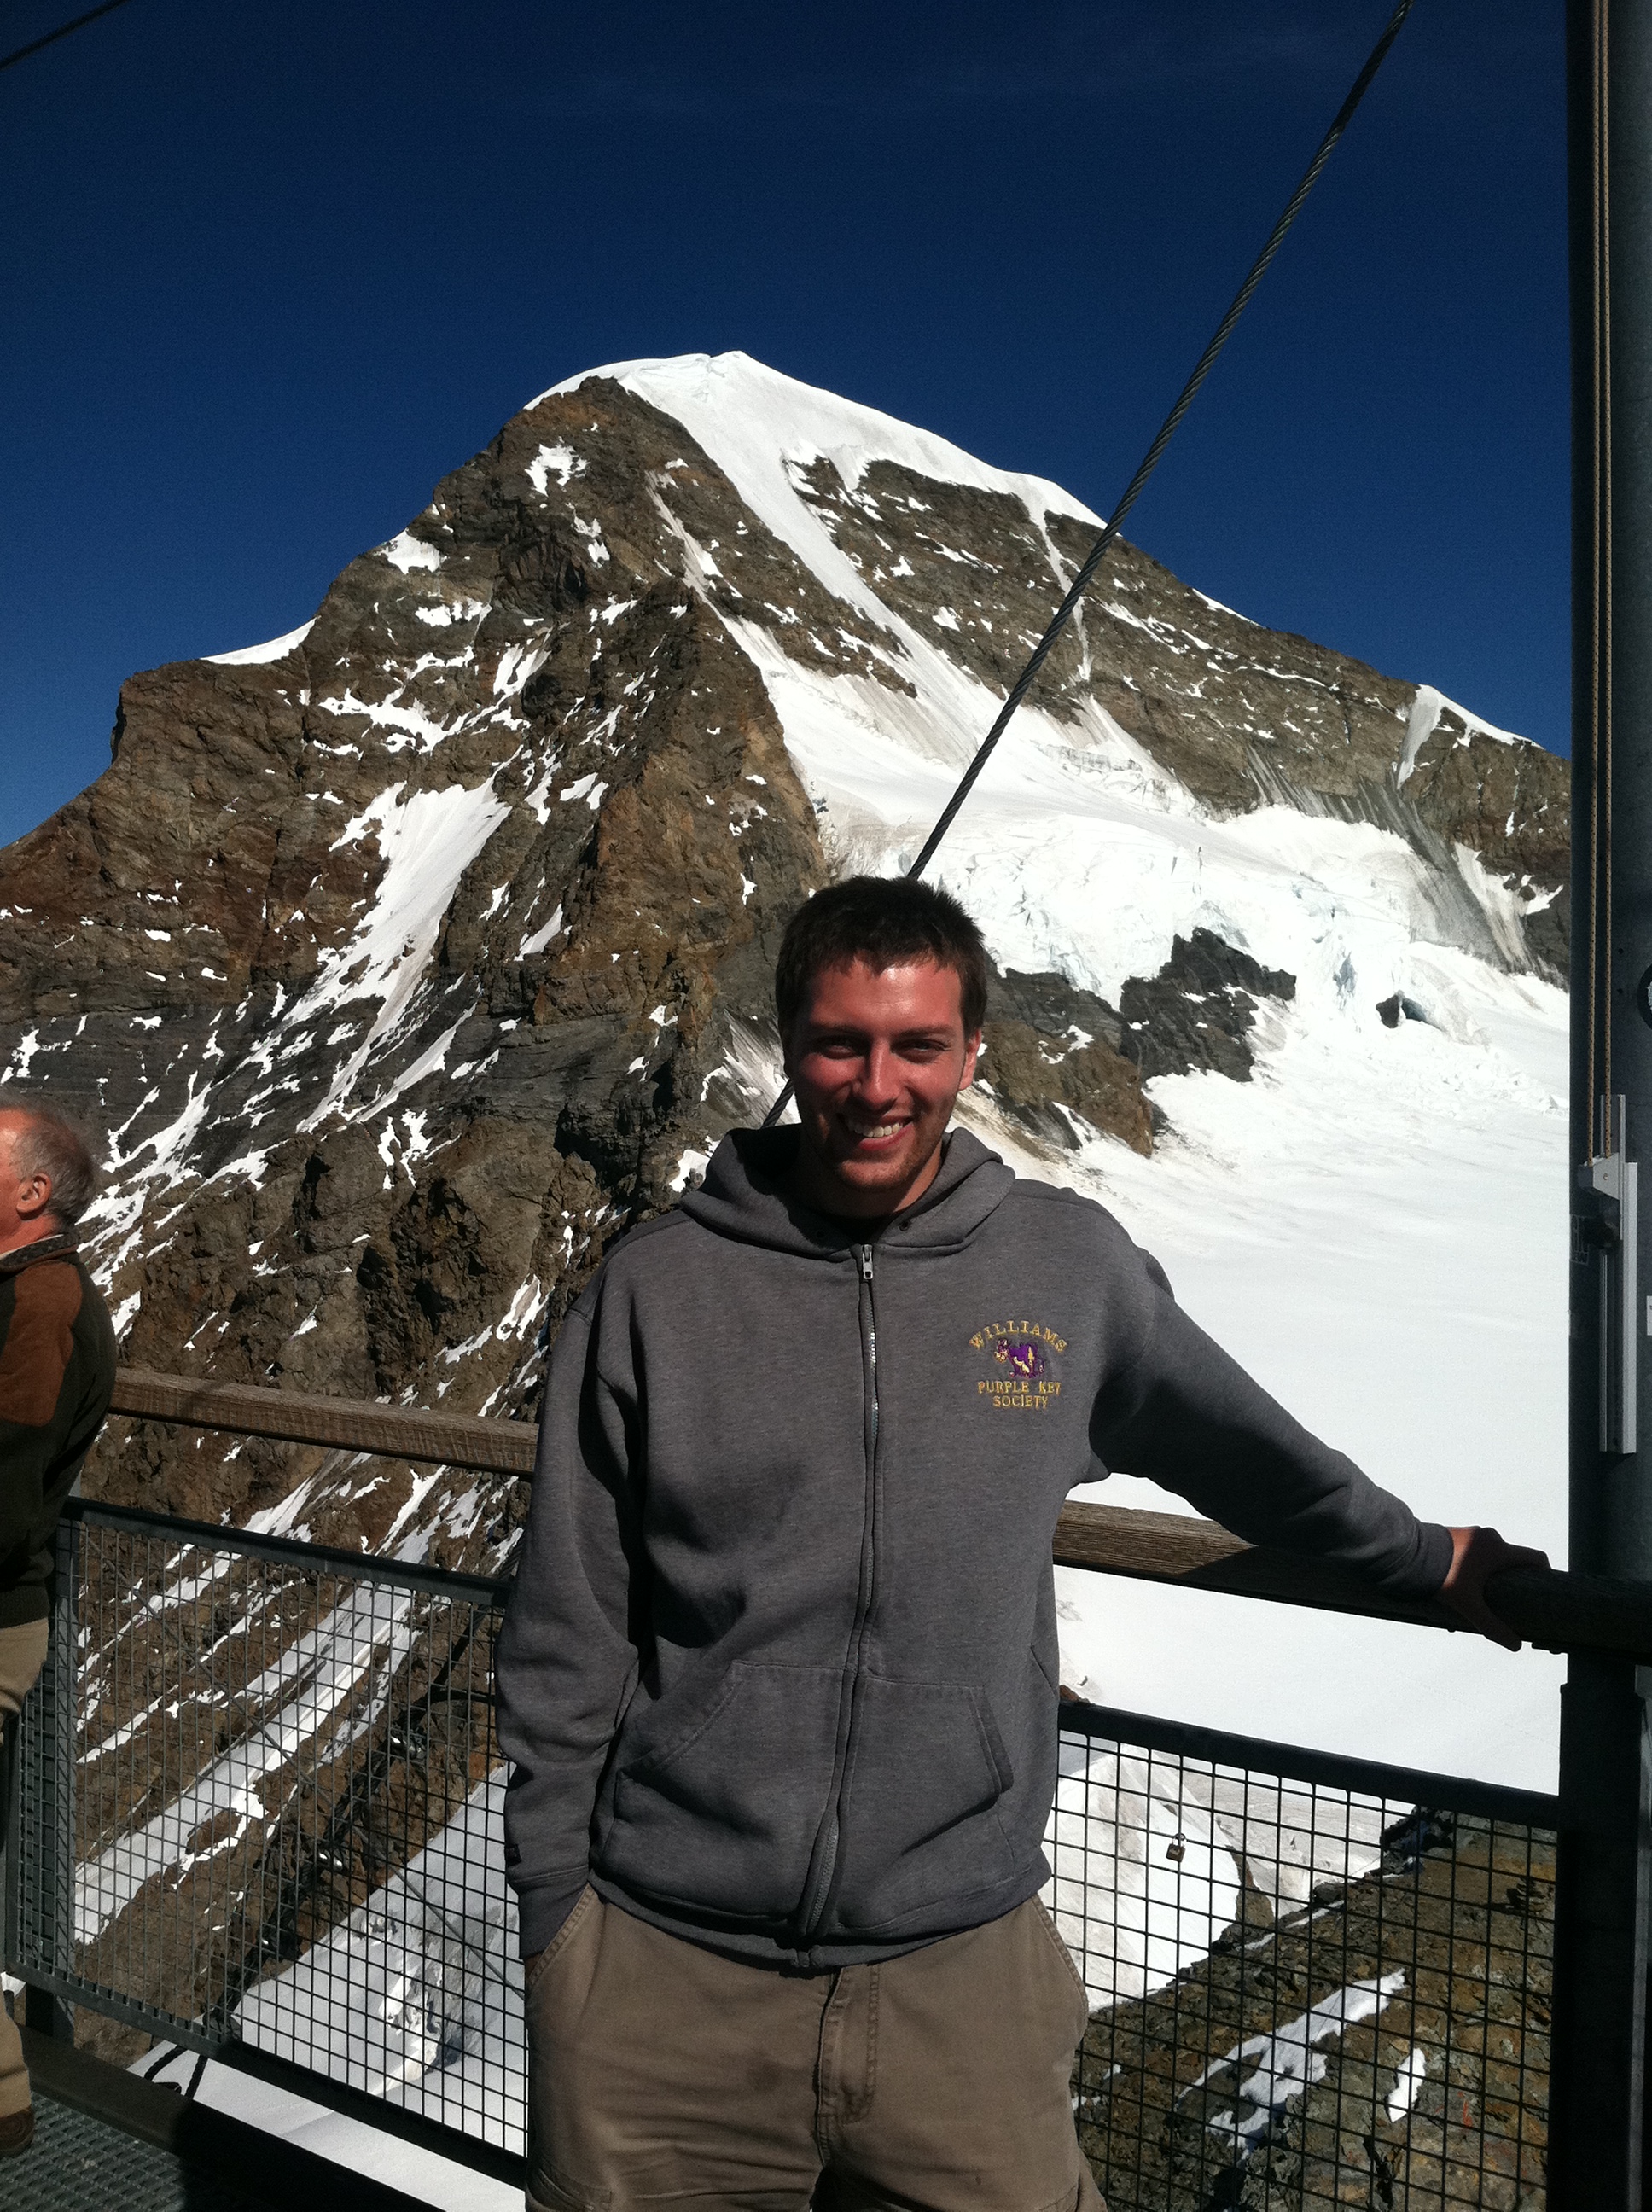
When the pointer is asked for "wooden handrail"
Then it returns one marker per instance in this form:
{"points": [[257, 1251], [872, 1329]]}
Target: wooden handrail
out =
{"points": [[350, 1424], [1556, 1612]]}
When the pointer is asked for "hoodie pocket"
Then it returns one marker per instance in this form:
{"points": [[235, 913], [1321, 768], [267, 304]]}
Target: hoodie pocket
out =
{"points": [[722, 1816], [920, 1824]]}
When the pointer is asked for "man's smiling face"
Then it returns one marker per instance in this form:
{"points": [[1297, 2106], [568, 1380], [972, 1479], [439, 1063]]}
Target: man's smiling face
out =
{"points": [[877, 1057]]}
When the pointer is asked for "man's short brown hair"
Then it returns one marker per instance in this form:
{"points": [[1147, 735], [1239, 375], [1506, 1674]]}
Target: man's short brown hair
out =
{"points": [[47, 1144], [883, 920]]}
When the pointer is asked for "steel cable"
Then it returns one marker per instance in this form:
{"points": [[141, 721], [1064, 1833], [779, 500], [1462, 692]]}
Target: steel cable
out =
{"points": [[1150, 461], [1167, 430], [50, 38]]}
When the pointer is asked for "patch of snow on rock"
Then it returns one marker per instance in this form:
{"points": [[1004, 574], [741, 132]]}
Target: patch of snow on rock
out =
{"points": [[559, 461], [275, 648], [406, 552], [426, 842]]}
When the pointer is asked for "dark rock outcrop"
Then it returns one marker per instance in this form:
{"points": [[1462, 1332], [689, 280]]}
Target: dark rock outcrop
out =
{"points": [[1199, 1010], [1053, 1056]]}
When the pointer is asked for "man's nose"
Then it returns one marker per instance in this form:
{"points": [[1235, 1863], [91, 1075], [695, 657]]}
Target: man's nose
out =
{"points": [[879, 1081]]}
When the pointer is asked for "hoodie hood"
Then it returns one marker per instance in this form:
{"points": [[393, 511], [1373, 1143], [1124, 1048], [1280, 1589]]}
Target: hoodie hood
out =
{"points": [[746, 1195]]}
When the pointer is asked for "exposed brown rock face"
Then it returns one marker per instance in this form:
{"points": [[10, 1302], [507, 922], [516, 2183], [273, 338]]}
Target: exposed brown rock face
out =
{"points": [[594, 866], [406, 966], [1032, 1076], [1050, 1052]]}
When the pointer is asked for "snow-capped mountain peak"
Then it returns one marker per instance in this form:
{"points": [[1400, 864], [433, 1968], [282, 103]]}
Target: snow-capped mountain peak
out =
{"points": [[402, 959]]}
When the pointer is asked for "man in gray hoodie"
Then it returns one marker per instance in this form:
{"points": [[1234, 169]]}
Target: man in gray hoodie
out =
{"points": [[778, 1676]]}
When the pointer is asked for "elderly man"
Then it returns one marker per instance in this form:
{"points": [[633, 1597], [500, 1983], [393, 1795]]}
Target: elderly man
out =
{"points": [[57, 1372], [778, 1677]]}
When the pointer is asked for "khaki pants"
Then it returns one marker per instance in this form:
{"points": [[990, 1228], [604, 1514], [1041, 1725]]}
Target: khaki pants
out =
{"points": [[662, 2075], [22, 1655]]}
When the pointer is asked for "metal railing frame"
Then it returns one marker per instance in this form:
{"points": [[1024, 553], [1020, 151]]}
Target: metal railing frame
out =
{"points": [[1329, 1770], [1561, 1611], [1554, 1610], [53, 1993]]}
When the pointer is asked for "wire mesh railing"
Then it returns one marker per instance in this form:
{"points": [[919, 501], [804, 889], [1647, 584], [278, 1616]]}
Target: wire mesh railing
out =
{"points": [[1314, 1981], [259, 1814]]}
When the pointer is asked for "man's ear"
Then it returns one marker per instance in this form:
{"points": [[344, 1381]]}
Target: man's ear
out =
{"points": [[33, 1196], [971, 1054]]}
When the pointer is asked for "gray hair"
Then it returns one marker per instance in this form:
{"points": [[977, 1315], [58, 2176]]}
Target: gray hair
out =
{"points": [[47, 1144]]}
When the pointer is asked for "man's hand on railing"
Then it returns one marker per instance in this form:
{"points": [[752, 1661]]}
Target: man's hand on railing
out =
{"points": [[1477, 1554]]}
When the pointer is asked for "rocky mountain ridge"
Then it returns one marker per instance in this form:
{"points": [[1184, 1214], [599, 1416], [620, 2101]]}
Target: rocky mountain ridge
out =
{"points": [[404, 961]]}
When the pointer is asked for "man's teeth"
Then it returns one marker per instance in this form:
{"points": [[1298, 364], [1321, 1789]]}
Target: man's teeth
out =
{"points": [[870, 1129]]}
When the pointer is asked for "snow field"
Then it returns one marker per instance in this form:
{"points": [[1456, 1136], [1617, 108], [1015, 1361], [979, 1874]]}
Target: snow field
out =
{"points": [[1147, 1854], [417, 1997], [275, 648]]}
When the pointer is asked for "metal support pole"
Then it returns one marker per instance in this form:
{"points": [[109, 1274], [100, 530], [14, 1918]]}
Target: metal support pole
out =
{"points": [[1600, 1972], [46, 2013], [1601, 1936]]}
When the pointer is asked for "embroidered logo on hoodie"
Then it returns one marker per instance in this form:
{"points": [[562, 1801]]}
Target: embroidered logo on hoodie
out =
{"points": [[1023, 1353]]}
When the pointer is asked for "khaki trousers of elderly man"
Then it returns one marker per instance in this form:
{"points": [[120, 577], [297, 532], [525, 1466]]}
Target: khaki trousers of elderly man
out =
{"points": [[661, 2075], [22, 1655]]}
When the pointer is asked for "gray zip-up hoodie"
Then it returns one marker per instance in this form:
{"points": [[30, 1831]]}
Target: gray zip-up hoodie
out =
{"points": [[779, 1669]]}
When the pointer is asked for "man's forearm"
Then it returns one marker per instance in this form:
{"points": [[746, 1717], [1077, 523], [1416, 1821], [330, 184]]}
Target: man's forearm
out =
{"points": [[1188, 1416]]}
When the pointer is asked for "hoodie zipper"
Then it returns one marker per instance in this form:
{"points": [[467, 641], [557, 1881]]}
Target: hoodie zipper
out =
{"points": [[824, 1858]]}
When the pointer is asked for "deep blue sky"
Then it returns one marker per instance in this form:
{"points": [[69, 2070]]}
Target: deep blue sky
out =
{"points": [[269, 272]]}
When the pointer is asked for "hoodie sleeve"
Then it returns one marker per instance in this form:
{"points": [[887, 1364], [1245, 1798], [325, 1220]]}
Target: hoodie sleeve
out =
{"points": [[566, 1660], [1184, 1413]]}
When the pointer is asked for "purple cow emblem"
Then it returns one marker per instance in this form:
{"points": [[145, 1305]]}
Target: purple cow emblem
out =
{"points": [[1022, 1358]]}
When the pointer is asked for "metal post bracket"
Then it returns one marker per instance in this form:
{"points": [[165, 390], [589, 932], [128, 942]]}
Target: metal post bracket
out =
{"points": [[1606, 1211]]}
